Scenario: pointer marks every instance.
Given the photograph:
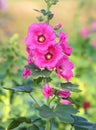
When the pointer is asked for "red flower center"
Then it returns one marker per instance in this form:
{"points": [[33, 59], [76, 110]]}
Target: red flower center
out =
{"points": [[48, 56], [41, 38]]}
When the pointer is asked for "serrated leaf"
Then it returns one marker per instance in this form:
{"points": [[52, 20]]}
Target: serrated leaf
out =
{"points": [[70, 86], [46, 112], [26, 89], [17, 121], [36, 72], [81, 123], [33, 127], [64, 113]]}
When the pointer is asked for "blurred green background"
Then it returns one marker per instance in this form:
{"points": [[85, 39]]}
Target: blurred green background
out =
{"points": [[75, 16]]}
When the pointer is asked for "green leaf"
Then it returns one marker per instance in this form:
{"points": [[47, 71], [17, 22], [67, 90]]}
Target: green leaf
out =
{"points": [[17, 121], [33, 127], [70, 86], [81, 123], [46, 112], [26, 89], [64, 113], [40, 18], [36, 72], [43, 11]]}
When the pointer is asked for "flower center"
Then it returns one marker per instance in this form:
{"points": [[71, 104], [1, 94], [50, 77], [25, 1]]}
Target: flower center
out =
{"points": [[48, 56], [41, 38]]}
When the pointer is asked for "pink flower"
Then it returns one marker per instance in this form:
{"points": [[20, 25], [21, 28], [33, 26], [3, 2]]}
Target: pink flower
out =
{"points": [[65, 102], [94, 26], [3, 5], [47, 91], [64, 93], [30, 59], [94, 45], [26, 73], [84, 32], [64, 68], [40, 36], [86, 105], [49, 58], [64, 44]]}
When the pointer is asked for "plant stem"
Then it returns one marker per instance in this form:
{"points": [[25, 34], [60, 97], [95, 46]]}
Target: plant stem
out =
{"points": [[33, 99], [48, 9], [48, 125]]}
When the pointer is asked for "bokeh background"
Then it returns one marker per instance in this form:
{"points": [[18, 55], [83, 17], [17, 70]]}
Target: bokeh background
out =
{"points": [[78, 18]]}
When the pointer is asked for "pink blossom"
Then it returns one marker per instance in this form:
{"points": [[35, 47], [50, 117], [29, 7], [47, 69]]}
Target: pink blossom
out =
{"points": [[64, 68], [84, 32], [30, 59], [26, 73], [40, 36], [58, 26], [65, 102], [94, 45], [49, 58], [64, 93], [94, 26], [47, 91], [64, 44], [3, 5]]}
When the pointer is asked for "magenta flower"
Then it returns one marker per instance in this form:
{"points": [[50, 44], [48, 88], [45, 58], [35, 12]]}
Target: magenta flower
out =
{"points": [[64, 93], [26, 73], [49, 58], [65, 102], [64, 44], [40, 36], [47, 91], [84, 32], [64, 68]]}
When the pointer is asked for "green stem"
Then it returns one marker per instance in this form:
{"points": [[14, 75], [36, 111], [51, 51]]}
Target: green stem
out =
{"points": [[33, 99], [48, 9], [51, 100], [48, 125]]}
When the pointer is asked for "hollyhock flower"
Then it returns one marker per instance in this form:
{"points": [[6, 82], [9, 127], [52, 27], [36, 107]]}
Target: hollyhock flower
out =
{"points": [[3, 5], [40, 36], [30, 59], [64, 68], [49, 58], [64, 93], [29, 51], [84, 32], [64, 44], [86, 105], [47, 91], [65, 102], [26, 73]]}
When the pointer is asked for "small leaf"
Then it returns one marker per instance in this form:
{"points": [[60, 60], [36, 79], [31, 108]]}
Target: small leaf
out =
{"points": [[70, 86], [26, 89], [17, 121], [43, 11], [36, 10], [46, 112], [33, 127], [40, 18]]}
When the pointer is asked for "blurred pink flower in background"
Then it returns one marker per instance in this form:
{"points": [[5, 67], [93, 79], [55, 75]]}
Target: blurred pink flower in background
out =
{"points": [[84, 32], [3, 5], [93, 26], [47, 91], [40, 36], [64, 93], [26, 73], [65, 102], [86, 105], [94, 45]]}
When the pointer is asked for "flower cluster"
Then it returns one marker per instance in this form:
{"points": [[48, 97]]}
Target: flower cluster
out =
{"points": [[48, 91], [44, 52]]}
